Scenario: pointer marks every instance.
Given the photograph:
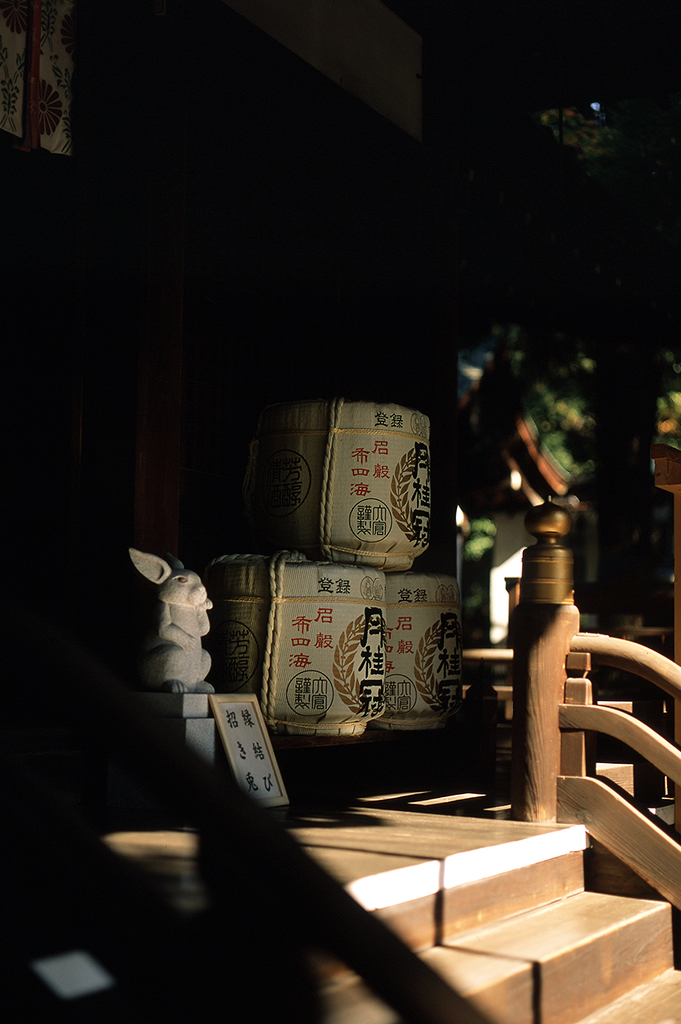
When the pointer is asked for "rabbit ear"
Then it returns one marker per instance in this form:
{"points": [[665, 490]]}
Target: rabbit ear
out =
{"points": [[152, 567], [173, 562]]}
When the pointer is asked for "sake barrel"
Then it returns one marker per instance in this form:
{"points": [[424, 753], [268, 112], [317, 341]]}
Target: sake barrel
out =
{"points": [[341, 481], [307, 637], [423, 685], [240, 589]]}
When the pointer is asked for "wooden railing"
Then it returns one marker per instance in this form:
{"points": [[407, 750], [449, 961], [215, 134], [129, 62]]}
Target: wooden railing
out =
{"points": [[609, 817], [555, 719]]}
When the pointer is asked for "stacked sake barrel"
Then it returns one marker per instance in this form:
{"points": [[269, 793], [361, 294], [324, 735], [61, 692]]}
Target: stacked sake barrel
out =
{"points": [[330, 625]]}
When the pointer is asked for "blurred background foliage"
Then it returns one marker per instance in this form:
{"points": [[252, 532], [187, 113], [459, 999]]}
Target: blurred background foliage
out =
{"points": [[634, 150], [584, 390]]}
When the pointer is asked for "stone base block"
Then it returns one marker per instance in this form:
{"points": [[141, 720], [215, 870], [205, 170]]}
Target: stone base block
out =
{"points": [[184, 715]]}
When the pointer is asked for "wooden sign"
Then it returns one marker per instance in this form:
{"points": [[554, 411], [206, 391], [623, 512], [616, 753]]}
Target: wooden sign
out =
{"points": [[248, 747]]}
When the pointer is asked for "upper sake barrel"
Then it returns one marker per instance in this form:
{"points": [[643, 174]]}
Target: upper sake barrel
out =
{"points": [[341, 482]]}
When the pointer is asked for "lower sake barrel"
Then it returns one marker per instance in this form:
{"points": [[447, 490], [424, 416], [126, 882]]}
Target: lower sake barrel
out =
{"points": [[308, 637], [423, 685], [342, 482]]}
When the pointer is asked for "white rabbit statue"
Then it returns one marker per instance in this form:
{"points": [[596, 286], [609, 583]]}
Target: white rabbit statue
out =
{"points": [[172, 658]]}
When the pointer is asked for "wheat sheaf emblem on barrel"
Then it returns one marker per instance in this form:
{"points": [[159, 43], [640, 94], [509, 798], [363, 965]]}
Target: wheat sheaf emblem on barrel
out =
{"points": [[410, 494], [440, 693], [359, 664]]}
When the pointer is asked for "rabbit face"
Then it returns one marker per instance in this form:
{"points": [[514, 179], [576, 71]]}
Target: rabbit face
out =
{"points": [[186, 590]]}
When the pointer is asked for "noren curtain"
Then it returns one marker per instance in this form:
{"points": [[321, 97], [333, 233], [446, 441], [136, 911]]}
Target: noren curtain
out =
{"points": [[37, 46]]}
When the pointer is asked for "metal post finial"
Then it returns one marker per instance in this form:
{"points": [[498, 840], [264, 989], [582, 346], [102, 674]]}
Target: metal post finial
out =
{"points": [[548, 565]]}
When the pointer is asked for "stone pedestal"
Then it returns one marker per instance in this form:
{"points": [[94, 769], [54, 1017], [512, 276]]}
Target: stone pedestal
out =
{"points": [[185, 715]]}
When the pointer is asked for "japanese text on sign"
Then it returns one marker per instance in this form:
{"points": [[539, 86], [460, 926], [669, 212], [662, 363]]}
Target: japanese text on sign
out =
{"points": [[248, 749]]}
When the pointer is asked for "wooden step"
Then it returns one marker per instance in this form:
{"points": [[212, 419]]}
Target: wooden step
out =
{"points": [[496, 907], [555, 965], [510, 926], [426, 922], [586, 950], [430, 876], [385, 857], [496, 897], [658, 1002], [489, 982]]}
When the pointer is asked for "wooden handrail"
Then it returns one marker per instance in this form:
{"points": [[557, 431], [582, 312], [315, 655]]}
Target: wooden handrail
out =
{"points": [[553, 714], [488, 654], [629, 730], [641, 661], [604, 650], [630, 657]]}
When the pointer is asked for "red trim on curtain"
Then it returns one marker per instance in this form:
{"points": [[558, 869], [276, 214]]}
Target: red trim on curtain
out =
{"points": [[31, 137]]}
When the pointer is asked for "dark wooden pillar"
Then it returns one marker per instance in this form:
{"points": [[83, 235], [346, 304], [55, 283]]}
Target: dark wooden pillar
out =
{"points": [[159, 392]]}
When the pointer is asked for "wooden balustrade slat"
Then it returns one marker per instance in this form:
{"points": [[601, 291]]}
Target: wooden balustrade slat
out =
{"points": [[577, 756]]}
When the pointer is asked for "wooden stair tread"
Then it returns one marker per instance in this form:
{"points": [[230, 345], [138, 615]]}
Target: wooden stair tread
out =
{"points": [[658, 1002], [384, 857], [557, 964], [561, 957], [500, 986], [587, 950], [546, 932], [413, 833]]}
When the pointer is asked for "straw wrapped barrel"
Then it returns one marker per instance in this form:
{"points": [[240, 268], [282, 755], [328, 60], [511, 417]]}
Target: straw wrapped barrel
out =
{"points": [[342, 482], [307, 637], [423, 661]]}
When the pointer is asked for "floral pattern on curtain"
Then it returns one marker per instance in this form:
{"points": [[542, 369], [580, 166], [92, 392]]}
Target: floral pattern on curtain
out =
{"points": [[37, 46]]}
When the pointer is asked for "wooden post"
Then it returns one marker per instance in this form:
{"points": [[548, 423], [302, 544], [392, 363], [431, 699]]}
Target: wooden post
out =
{"points": [[513, 591], [668, 477], [159, 397], [543, 625], [578, 747]]}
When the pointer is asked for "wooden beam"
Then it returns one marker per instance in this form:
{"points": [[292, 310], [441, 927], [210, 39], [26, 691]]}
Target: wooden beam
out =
{"points": [[624, 831], [360, 44]]}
